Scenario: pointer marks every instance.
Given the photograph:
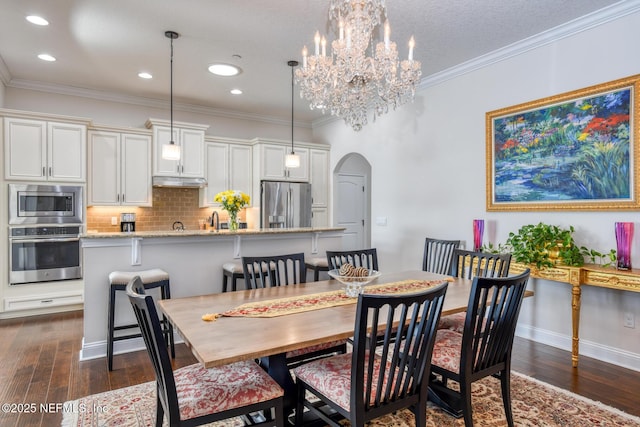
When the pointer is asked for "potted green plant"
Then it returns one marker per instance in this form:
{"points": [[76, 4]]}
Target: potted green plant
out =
{"points": [[547, 245]]}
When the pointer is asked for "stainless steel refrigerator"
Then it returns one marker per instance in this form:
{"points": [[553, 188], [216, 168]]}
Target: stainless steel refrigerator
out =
{"points": [[285, 204]]}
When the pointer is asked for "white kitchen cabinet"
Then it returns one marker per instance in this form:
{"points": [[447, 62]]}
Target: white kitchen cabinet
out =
{"points": [[272, 163], [191, 142], [38, 150], [319, 216], [120, 169], [319, 177], [228, 167]]}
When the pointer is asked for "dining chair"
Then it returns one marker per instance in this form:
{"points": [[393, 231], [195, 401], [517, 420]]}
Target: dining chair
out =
{"points": [[482, 349], [283, 270], [194, 395], [367, 258], [274, 270], [438, 254], [379, 376], [469, 264]]}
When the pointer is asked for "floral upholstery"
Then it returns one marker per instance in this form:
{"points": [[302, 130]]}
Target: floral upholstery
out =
{"points": [[332, 377], [313, 349], [454, 322], [446, 350], [204, 391]]}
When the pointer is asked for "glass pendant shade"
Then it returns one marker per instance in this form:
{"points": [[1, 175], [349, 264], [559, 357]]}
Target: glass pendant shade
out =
{"points": [[171, 152], [292, 160]]}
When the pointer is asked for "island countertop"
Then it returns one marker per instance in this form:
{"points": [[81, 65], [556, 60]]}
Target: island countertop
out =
{"points": [[225, 233]]}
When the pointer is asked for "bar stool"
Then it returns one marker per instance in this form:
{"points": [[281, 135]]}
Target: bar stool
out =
{"points": [[154, 278], [231, 271], [317, 264]]}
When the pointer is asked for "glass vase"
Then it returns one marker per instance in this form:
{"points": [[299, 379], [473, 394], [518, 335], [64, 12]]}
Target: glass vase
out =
{"points": [[624, 234], [478, 232], [233, 221]]}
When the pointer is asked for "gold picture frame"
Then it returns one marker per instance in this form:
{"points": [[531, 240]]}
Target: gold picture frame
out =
{"points": [[576, 151]]}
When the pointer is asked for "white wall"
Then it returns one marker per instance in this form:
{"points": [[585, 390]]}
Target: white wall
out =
{"points": [[428, 177]]}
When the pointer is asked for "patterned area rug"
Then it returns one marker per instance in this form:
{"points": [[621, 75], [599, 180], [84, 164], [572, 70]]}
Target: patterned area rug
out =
{"points": [[534, 404]]}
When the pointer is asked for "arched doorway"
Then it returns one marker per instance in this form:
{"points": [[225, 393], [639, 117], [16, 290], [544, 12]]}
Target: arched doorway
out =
{"points": [[352, 200]]}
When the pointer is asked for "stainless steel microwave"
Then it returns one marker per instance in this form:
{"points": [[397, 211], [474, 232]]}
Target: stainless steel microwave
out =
{"points": [[45, 204]]}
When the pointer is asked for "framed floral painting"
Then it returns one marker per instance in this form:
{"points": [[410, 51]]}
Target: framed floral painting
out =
{"points": [[574, 151]]}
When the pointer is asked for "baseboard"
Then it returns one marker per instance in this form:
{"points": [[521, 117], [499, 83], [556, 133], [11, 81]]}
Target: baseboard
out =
{"points": [[604, 353], [98, 349]]}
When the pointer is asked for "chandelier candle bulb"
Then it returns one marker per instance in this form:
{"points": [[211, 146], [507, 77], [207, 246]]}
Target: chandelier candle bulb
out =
{"points": [[305, 52], [323, 42], [316, 39], [387, 31], [412, 43]]}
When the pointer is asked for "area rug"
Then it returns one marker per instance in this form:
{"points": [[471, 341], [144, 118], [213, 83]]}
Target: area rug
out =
{"points": [[534, 404]]}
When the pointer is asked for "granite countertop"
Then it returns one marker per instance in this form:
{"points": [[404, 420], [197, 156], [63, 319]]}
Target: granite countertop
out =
{"points": [[212, 233]]}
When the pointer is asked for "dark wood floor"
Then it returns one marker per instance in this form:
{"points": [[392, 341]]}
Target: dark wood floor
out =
{"points": [[39, 364]]}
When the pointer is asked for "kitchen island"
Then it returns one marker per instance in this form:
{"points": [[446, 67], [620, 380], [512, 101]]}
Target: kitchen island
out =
{"points": [[193, 259]]}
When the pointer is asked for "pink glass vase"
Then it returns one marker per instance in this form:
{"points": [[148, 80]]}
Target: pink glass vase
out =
{"points": [[478, 231], [624, 234]]}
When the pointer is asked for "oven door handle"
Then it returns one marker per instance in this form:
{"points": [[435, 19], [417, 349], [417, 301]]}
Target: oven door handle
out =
{"points": [[46, 239]]}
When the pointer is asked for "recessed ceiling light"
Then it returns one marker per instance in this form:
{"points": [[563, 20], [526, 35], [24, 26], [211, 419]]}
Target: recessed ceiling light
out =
{"points": [[236, 91], [37, 20], [145, 75], [46, 57], [225, 70]]}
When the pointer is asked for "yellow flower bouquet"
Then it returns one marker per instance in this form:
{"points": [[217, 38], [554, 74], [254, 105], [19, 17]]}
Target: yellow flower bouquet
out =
{"points": [[232, 201]]}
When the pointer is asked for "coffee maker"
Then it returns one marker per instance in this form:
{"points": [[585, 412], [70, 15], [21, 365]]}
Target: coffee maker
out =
{"points": [[127, 222]]}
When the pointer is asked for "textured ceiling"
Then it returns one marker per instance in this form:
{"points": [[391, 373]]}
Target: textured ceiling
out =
{"points": [[103, 44]]}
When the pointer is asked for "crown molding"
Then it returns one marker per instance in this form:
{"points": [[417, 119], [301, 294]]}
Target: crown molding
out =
{"points": [[145, 102], [568, 29]]}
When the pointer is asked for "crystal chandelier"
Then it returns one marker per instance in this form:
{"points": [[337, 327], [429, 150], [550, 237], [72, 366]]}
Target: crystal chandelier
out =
{"points": [[347, 82]]}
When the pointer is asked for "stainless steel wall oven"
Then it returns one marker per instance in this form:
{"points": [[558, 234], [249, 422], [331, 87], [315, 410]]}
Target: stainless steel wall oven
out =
{"points": [[41, 254]]}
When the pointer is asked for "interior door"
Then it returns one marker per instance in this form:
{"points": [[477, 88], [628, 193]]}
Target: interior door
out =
{"points": [[350, 212]]}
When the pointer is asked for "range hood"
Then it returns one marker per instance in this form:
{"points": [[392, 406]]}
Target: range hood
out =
{"points": [[178, 181]]}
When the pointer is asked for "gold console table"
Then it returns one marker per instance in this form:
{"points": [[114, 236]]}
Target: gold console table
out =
{"points": [[588, 274]]}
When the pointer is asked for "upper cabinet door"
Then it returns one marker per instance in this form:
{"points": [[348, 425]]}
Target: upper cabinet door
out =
{"points": [[241, 170], [104, 168], [37, 150], [319, 177], [67, 152], [192, 158], [217, 172], [163, 167], [25, 149], [136, 170], [301, 173]]}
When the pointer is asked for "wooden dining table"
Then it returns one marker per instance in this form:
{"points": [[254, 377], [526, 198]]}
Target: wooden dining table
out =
{"points": [[232, 339]]}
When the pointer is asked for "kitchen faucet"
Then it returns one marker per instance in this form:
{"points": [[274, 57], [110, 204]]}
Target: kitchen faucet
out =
{"points": [[215, 220]]}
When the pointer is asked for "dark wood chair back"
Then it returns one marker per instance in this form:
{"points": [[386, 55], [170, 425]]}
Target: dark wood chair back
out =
{"points": [[469, 264], [438, 254], [151, 330], [407, 347], [367, 258], [274, 270], [486, 343]]}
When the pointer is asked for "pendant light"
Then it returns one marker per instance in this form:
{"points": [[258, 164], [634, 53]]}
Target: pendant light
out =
{"points": [[292, 160], [171, 151]]}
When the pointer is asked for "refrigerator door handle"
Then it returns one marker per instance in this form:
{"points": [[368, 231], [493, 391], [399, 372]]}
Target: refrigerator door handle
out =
{"points": [[289, 209]]}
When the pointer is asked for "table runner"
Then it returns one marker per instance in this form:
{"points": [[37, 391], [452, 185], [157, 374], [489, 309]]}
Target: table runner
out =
{"points": [[299, 304]]}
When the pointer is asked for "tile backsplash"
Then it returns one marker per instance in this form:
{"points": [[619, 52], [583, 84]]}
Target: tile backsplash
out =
{"points": [[169, 205]]}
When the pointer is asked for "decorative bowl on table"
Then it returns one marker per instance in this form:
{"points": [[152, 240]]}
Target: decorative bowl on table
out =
{"points": [[354, 285]]}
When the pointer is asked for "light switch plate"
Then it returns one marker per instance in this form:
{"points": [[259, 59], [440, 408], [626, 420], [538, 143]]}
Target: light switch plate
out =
{"points": [[381, 220], [114, 220]]}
